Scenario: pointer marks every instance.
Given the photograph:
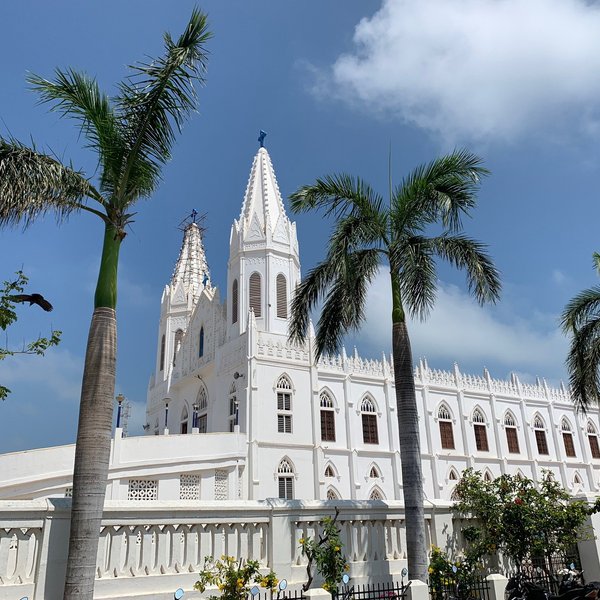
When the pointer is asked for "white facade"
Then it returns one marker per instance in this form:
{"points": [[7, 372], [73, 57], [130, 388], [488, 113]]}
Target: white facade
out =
{"points": [[240, 413]]}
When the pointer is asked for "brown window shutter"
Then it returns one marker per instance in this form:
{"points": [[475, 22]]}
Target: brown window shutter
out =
{"points": [[327, 426], [512, 439], [234, 301], [481, 440], [569, 446], [255, 294], [542, 444], [281, 285], [594, 446], [370, 434], [162, 353], [447, 435]]}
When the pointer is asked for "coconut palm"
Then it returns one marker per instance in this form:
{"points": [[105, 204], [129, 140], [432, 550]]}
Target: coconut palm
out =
{"points": [[369, 235], [132, 134], [581, 322]]}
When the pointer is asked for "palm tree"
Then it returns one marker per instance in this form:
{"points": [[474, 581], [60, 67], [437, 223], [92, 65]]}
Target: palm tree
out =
{"points": [[581, 321], [368, 235], [132, 134]]}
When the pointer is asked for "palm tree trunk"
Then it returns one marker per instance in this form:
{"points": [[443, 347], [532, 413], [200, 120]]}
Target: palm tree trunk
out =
{"points": [[92, 450], [410, 446]]}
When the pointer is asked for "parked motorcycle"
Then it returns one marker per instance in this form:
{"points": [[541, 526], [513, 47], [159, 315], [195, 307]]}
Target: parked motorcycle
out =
{"points": [[521, 587]]}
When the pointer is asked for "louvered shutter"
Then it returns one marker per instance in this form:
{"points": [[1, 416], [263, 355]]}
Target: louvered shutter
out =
{"points": [[513, 440], [255, 293], [234, 301], [281, 285]]}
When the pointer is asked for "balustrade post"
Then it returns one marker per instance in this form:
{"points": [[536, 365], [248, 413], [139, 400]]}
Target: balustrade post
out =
{"points": [[589, 550], [281, 540], [497, 584]]}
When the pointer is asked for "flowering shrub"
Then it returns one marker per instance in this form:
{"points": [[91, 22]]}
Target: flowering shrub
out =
{"points": [[233, 578], [325, 555], [442, 575]]}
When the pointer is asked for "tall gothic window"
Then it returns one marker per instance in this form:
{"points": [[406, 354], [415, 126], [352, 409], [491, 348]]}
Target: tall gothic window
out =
{"points": [[593, 440], [234, 301], [568, 438], [284, 405], [281, 285], [481, 441], [446, 431], [369, 422], [512, 439], [327, 418], [540, 435], [202, 401], [255, 294], [184, 420], [201, 343], [177, 343], [285, 479], [163, 342]]}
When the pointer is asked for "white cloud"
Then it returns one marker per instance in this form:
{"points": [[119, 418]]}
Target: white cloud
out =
{"points": [[558, 277], [459, 330], [475, 69]]}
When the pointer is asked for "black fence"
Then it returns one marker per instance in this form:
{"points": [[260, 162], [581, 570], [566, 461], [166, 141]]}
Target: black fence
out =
{"points": [[371, 591], [281, 595], [547, 572], [473, 587]]}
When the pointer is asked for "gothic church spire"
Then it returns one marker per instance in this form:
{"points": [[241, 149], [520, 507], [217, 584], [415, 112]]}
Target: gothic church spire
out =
{"points": [[191, 269]]}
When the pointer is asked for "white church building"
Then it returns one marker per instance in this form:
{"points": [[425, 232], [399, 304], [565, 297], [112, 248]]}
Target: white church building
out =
{"points": [[236, 412]]}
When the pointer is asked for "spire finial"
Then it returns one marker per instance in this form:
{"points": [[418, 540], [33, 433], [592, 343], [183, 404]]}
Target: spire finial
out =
{"points": [[261, 138]]}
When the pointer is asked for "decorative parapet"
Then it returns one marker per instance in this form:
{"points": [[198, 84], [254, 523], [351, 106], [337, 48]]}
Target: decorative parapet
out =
{"points": [[364, 366], [504, 387], [269, 347], [328, 362]]}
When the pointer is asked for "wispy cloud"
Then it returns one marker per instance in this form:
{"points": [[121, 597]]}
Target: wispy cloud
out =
{"points": [[57, 374], [475, 69], [459, 330]]}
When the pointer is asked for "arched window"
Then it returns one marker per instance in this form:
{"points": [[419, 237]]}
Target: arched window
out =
{"points": [[568, 438], [255, 294], [374, 473], [162, 352], [201, 343], [577, 480], [332, 494], [327, 418], [177, 343], [281, 285], [233, 406], [445, 424], [453, 475], [369, 421], [376, 494], [481, 441], [329, 472], [184, 420], [488, 476], [202, 402], [284, 405], [285, 478], [593, 440], [512, 439], [540, 435], [234, 301]]}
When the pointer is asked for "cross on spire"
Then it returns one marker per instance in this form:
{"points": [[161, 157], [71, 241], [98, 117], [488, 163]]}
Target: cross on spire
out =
{"points": [[261, 138]]}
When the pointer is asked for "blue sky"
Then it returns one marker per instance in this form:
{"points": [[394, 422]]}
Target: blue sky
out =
{"points": [[333, 84]]}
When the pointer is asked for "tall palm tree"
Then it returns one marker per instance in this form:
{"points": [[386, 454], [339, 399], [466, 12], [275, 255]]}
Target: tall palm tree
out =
{"points": [[368, 235], [581, 322], [132, 134]]}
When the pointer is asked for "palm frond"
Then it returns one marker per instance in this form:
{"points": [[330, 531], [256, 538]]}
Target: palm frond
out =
{"points": [[483, 279], [344, 308], [76, 95], [338, 195], [412, 259], [584, 307], [155, 102], [583, 362], [33, 183], [443, 189]]}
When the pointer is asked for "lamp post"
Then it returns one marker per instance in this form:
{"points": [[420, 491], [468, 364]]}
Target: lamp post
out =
{"points": [[195, 408], [120, 398], [167, 400]]}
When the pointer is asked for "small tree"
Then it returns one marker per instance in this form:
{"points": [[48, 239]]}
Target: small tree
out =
{"points": [[8, 316], [516, 517], [325, 555]]}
